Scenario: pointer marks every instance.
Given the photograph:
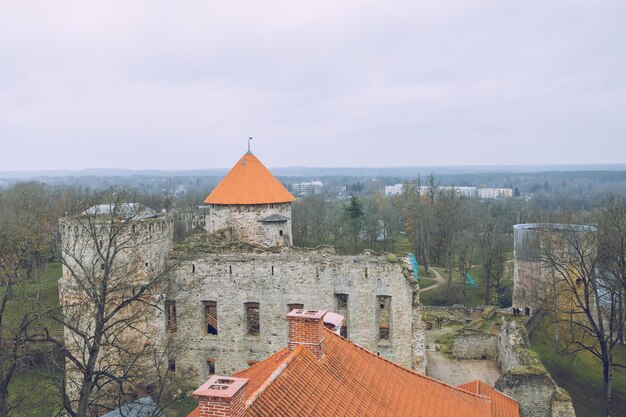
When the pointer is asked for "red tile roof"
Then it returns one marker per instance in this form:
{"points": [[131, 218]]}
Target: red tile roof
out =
{"points": [[349, 381], [249, 182], [501, 405]]}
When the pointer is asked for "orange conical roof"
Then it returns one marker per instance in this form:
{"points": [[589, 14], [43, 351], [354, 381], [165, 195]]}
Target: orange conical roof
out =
{"points": [[249, 182]]}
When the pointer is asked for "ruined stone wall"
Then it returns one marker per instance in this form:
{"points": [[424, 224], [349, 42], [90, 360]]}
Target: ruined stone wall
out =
{"points": [[524, 377], [532, 278], [475, 346], [246, 225], [530, 289], [142, 245], [274, 280]]}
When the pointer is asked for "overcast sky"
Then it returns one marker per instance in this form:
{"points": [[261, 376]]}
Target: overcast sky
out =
{"points": [[181, 85]]}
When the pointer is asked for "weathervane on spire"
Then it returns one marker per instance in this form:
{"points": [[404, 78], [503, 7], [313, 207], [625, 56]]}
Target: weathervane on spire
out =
{"points": [[249, 139]]}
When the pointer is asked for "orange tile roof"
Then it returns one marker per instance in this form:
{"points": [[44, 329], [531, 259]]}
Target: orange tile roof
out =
{"points": [[349, 381], [249, 182], [501, 405]]}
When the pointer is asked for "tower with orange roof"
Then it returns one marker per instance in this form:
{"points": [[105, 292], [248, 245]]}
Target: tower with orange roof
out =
{"points": [[252, 204]]}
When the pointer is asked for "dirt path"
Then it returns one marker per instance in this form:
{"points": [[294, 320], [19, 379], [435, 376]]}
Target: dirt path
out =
{"points": [[440, 280]]}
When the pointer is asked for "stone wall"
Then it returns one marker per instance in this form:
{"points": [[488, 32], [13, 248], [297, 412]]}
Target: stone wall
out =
{"points": [[245, 222], [524, 377], [475, 346], [530, 289], [454, 314], [274, 280], [141, 247]]}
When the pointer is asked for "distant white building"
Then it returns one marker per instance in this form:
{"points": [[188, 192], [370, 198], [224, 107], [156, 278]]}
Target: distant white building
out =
{"points": [[467, 192], [393, 189], [313, 187], [493, 193]]}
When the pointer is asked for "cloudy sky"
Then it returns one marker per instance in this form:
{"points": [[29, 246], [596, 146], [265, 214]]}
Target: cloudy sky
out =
{"points": [[178, 85]]}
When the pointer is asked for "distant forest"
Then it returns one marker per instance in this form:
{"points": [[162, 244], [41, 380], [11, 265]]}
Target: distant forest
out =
{"points": [[580, 185]]}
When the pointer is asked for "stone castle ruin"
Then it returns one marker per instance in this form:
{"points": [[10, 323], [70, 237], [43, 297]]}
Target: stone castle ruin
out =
{"points": [[223, 307], [532, 277], [126, 245]]}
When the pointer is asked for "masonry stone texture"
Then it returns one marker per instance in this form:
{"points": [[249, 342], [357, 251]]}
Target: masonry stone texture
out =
{"points": [[225, 303], [525, 379], [247, 222], [275, 280], [475, 346]]}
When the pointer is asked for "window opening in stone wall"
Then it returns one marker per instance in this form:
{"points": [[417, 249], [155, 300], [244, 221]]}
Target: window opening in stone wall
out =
{"points": [[280, 233], [210, 316], [272, 270], [365, 272], [383, 316], [170, 315], [252, 319], [134, 228], [294, 306], [193, 268], [210, 364], [341, 304], [230, 269], [171, 365], [150, 228]]}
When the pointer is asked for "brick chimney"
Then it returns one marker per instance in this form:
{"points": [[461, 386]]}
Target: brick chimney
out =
{"points": [[306, 328], [222, 396]]}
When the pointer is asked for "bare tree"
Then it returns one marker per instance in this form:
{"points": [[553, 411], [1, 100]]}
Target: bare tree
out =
{"points": [[24, 242], [116, 271], [611, 220], [589, 299], [418, 219], [450, 212], [494, 236]]}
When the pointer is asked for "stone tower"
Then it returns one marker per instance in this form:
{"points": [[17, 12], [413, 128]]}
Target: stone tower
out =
{"points": [[114, 254], [252, 203]]}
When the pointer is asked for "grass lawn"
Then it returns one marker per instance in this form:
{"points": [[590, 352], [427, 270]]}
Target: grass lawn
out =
{"points": [[581, 375], [35, 395], [474, 296], [33, 392], [43, 289]]}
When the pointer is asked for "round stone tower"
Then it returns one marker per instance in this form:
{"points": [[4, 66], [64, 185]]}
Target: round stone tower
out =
{"points": [[252, 203], [532, 277]]}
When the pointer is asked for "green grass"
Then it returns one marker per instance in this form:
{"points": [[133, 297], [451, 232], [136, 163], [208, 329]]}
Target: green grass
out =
{"points": [[580, 375], [34, 391], [183, 407], [42, 290], [473, 297], [427, 282], [34, 394]]}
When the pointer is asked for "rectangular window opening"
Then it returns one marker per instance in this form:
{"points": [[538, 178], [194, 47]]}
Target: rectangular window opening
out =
{"points": [[171, 365], [383, 316], [210, 363], [210, 317], [341, 306], [170, 315], [252, 319]]}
